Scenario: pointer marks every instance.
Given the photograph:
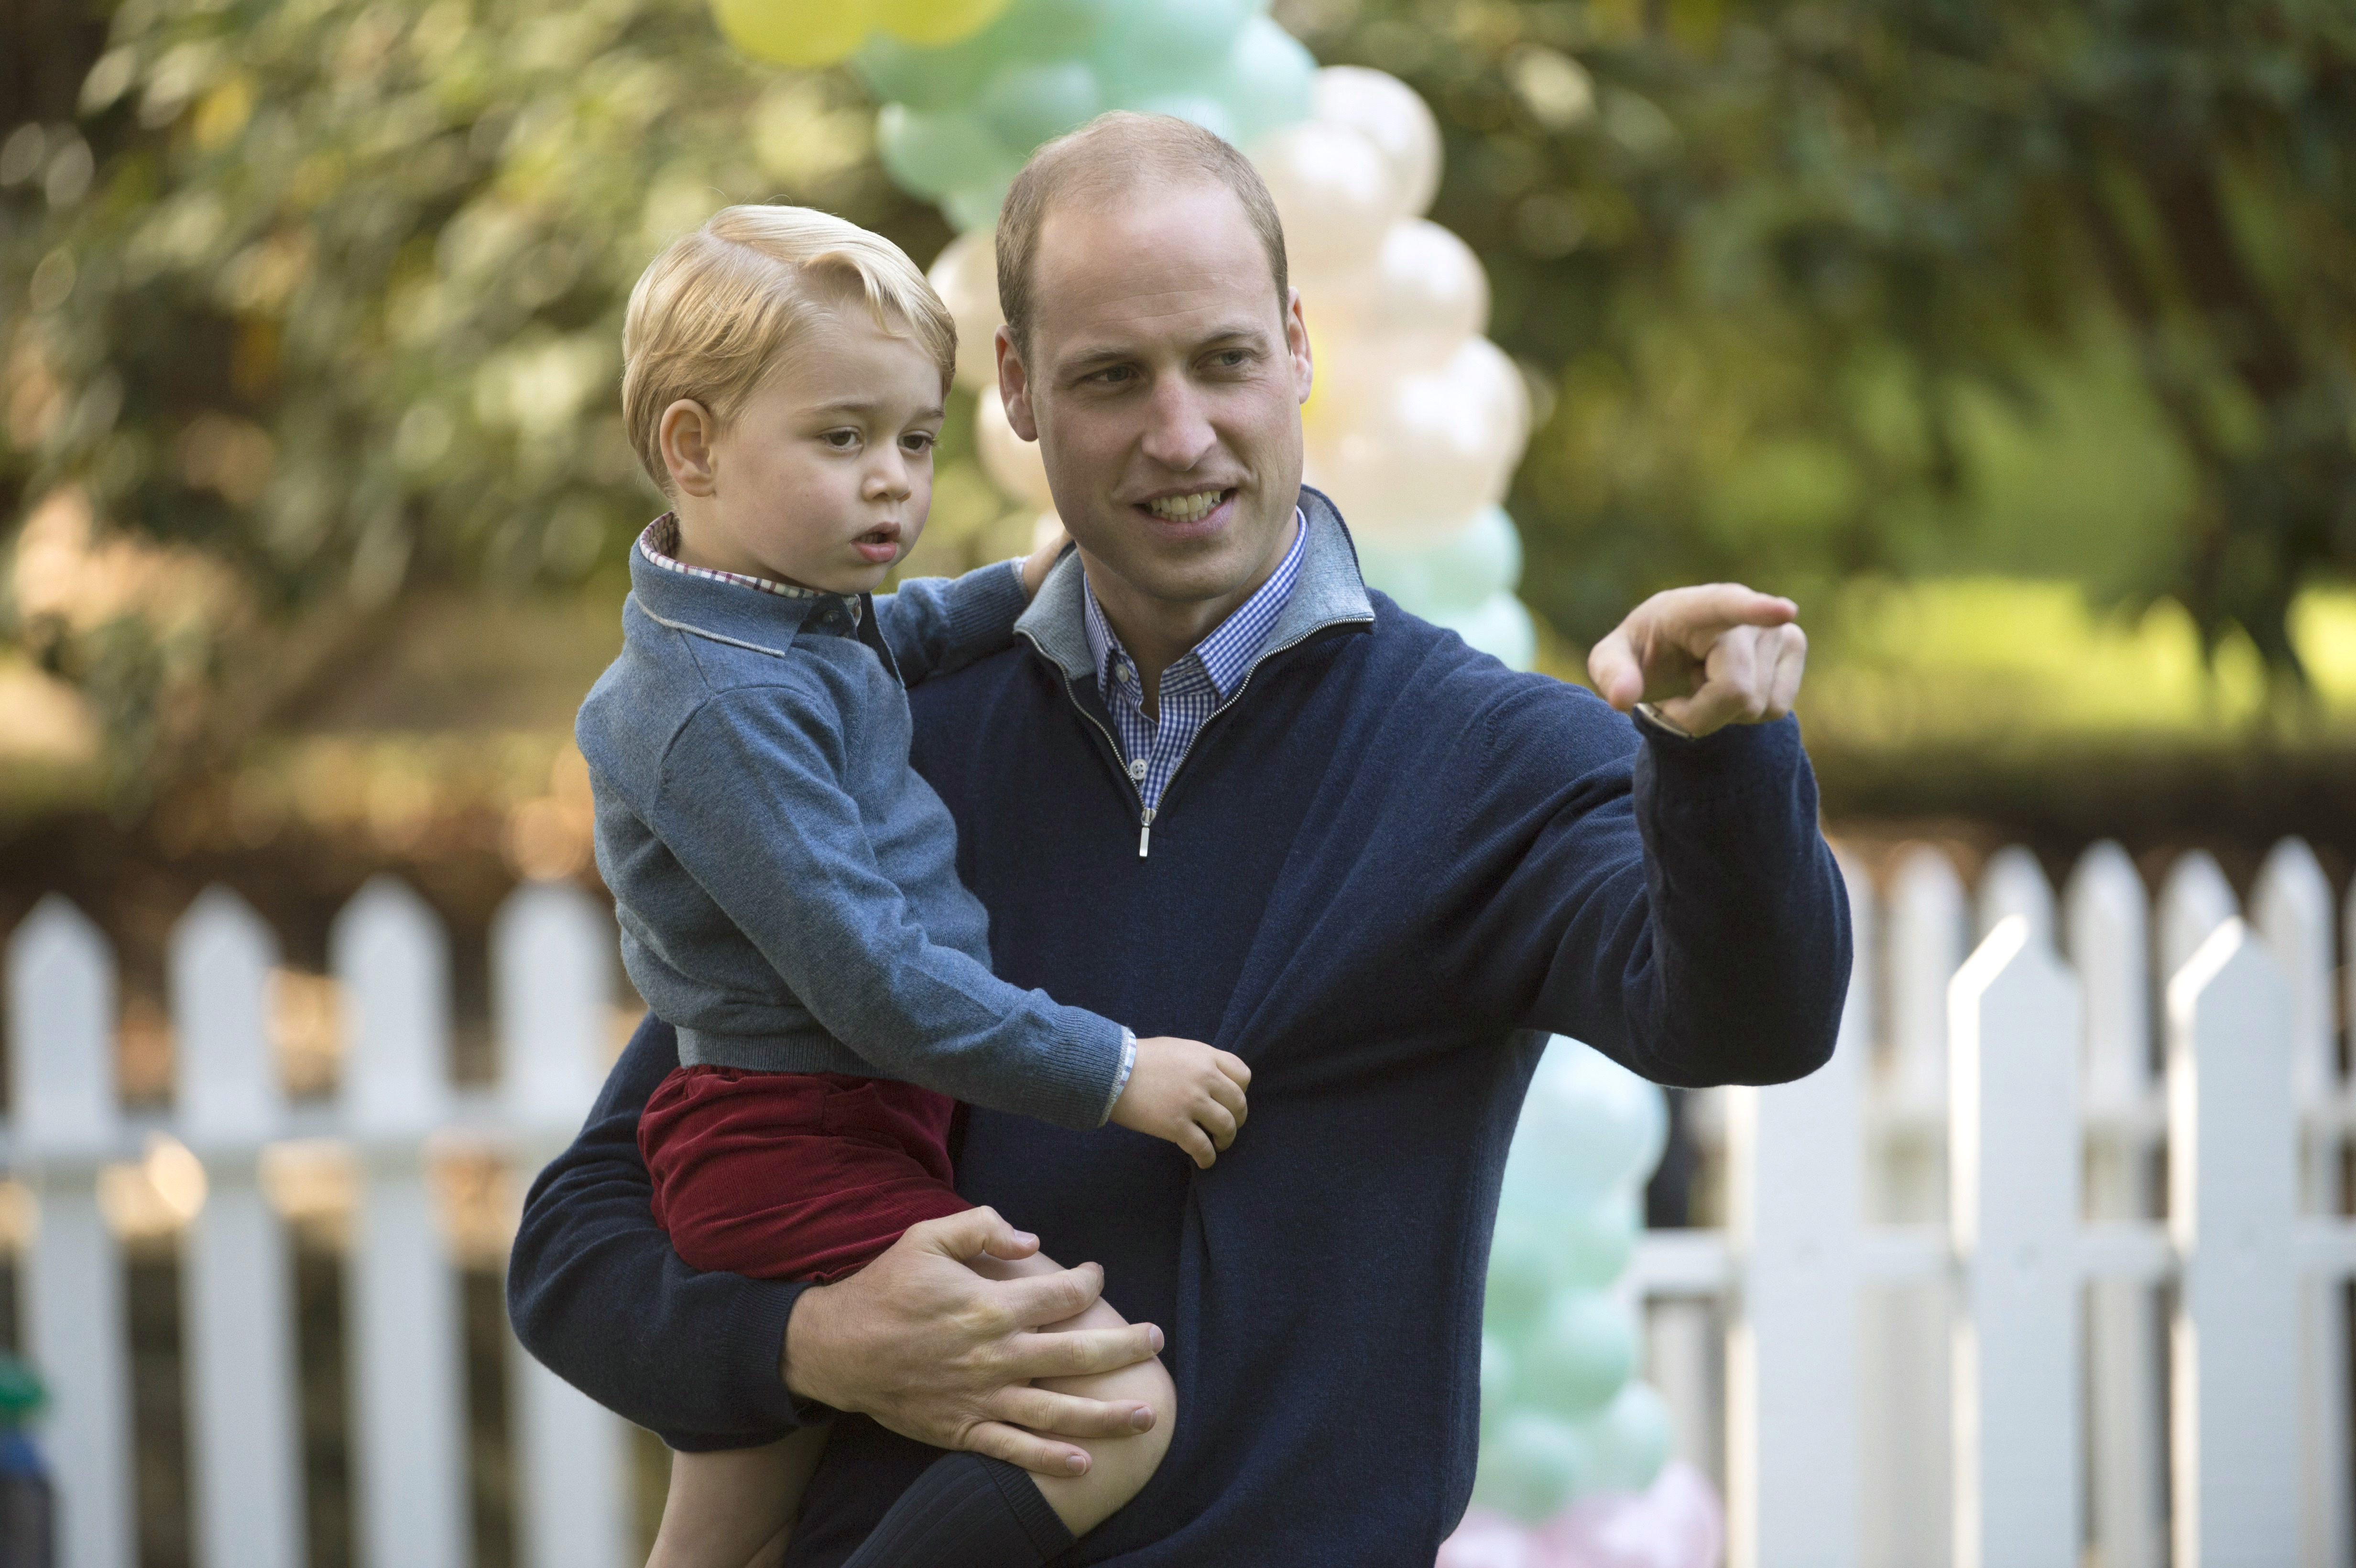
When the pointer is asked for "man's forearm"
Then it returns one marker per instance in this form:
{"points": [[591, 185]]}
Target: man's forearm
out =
{"points": [[595, 1291]]}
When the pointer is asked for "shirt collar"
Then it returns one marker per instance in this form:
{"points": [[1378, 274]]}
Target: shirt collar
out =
{"points": [[1226, 655], [660, 545]]}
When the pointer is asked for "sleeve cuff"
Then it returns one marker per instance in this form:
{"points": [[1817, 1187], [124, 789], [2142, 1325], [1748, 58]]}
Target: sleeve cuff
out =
{"points": [[986, 603], [1120, 1080], [753, 1354], [1736, 751]]}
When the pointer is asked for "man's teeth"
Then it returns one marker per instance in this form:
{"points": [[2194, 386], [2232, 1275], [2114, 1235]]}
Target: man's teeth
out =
{"points": [[1185, 509]]}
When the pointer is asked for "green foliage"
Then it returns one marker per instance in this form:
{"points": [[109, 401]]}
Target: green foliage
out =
{"points": [[1831, 286], [341, 306]]}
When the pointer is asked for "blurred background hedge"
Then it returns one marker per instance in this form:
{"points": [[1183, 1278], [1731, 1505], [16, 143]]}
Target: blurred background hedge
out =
{"points": [[2017, 341]]}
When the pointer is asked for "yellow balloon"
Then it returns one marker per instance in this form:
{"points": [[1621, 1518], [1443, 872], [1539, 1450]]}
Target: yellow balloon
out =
{"points": [[937, 21], [795, 32]]}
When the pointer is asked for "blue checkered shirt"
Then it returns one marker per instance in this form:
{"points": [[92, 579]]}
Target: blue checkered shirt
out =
{"points": [[1191, 689]]}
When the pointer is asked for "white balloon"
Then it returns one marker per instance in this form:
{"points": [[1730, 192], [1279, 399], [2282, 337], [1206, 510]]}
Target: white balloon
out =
{"points": [[965, 274], [1335, 191], [1012, 464], [1421, 450], [1391, 114], [1428, 289]]}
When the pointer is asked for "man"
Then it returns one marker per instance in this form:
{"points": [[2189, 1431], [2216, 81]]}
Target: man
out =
{"points": [[1221, 790]]}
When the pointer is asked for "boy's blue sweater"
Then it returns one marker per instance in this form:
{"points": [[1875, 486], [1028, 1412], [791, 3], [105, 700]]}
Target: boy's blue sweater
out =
{"points": [[1385, 871], [784, 883]]}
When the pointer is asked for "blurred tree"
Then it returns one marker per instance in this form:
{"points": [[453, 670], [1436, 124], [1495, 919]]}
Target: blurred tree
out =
{"points": [[321, 303], [1800, 270]]}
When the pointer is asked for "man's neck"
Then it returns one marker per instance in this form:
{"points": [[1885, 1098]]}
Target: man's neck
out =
{"points": [[1157, 632]]}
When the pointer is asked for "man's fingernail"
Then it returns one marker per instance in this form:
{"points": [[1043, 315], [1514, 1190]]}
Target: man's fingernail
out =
{"points": [[1076, 1463], [1156, 1331], [1142, 1419]]}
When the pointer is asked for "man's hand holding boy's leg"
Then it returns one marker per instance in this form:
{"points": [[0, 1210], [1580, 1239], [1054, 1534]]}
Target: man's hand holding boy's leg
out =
{"points": [[928, 1348]]}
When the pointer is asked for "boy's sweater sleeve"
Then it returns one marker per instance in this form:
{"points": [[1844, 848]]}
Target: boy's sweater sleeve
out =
{"points": [[936, 624], [806, 892], [1670, 901], [597, 1293]]}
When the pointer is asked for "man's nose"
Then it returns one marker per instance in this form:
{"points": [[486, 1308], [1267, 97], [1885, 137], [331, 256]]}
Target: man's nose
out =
{"points": [[1178, 434]]}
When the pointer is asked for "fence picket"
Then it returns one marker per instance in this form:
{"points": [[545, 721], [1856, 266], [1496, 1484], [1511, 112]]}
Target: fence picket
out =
{"points": [[2232, 1192], [2012, 882], [1925, 943], [410, 1439], [2109, 930], [1795, 1196], [61, 1089], [2194, 900], [2013, 1157], [243, 1445], [552, 970]]}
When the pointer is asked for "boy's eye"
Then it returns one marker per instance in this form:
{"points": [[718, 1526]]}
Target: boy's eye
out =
{"points": [[918, 441], [841, 440]]}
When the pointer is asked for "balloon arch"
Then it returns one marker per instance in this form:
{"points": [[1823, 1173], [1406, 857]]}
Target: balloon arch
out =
{"points": [[1415, 429]]}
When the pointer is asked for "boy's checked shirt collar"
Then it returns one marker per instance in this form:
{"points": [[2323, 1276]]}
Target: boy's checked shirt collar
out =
{"points": [[659, 544], [1194, 687]]}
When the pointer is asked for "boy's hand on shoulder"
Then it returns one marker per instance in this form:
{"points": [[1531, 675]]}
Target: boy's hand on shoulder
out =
{"points": [[1042, 560], [1186, 1093]]}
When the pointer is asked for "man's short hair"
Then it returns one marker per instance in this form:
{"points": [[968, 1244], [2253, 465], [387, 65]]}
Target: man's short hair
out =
{"points": [[711, 316], [1113, 153]]}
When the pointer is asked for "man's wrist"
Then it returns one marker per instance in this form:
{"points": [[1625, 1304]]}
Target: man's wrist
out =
{"points": [[801, 1359]]}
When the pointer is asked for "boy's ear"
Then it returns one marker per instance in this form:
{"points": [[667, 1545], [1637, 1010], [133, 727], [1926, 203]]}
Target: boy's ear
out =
{"points": [[685, 434], [1014, 387]]}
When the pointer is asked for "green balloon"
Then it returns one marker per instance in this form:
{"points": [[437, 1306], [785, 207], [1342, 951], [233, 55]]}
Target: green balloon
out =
{"points": [[1027, 104], [1033, 30], [1532, 1466], [1523, 1272], [1174, 39], [897, 72], [976, 205], [1270, 80], [1596, 1241], [1578, 1354], [1209, 113], [1628, 1441], [1497, 1381], [934, 155]]}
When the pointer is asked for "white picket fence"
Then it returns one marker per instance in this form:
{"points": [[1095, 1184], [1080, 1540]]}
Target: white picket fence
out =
{"points": [[1942, 1285], [1962, 1325]]}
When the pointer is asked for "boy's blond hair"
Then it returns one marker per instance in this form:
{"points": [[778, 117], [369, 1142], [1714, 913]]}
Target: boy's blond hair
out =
{"points": [[711, 316]]}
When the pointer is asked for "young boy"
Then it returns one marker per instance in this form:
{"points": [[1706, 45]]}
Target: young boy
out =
{"points": [[785, 882]]}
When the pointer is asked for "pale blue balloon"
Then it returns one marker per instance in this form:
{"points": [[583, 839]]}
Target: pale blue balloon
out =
{"points": [[1588, 1125], [1025, 105], [934, 155], [1048, 29], [1209, 113], [1578, 1354], [1525, 1272], [1500, 626], [1459, 571], [1272, 77], [1628, 1441], [1593, 1244], [1531, 1466]]}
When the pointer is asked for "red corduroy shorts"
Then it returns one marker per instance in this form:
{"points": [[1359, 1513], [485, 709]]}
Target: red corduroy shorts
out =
{"points": [[794, 1175]]}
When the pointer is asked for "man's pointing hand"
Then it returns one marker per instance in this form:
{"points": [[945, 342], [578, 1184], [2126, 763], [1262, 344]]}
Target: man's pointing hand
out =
{"points": [[1705, 657]]}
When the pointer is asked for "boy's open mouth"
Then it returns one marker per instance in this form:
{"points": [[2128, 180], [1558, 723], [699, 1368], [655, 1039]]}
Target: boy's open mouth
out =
{"points": [[879, 544]]}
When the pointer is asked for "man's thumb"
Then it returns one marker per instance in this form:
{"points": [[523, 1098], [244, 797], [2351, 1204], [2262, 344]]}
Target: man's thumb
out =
{"points": [[978, 1231], [1611, 666]]}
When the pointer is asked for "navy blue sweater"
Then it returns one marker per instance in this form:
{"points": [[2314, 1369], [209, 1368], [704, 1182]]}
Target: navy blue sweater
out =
{"points": [[1381, 876]]}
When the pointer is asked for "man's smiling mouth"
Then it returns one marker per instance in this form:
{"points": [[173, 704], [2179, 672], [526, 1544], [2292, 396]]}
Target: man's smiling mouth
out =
{"points": [[1192, 507]]}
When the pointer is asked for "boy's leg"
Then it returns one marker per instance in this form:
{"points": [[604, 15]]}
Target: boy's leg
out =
{"points": [[968, 1511], [734, 1508]]}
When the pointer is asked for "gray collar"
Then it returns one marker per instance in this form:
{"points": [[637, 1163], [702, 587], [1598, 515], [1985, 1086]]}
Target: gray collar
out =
{"points": [[1330, 592]]}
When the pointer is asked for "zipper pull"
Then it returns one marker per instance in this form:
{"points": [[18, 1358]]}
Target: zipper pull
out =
{"points": [[1144, 831]]}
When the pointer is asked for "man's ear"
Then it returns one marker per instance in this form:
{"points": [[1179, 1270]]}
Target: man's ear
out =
{"points": [[1295, 343], [685, 435], [1014, 387]]}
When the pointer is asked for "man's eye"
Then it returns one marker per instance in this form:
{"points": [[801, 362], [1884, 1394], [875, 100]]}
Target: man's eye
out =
{"points": [[1114, 375], [1231, 358]]}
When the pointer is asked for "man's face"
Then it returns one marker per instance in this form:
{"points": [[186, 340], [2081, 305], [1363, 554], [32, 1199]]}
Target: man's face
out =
{"points": [[1163, 384]]}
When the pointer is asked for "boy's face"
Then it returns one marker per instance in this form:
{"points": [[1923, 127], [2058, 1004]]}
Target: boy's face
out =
{"points": [[1164, 383], [824, 478]]}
